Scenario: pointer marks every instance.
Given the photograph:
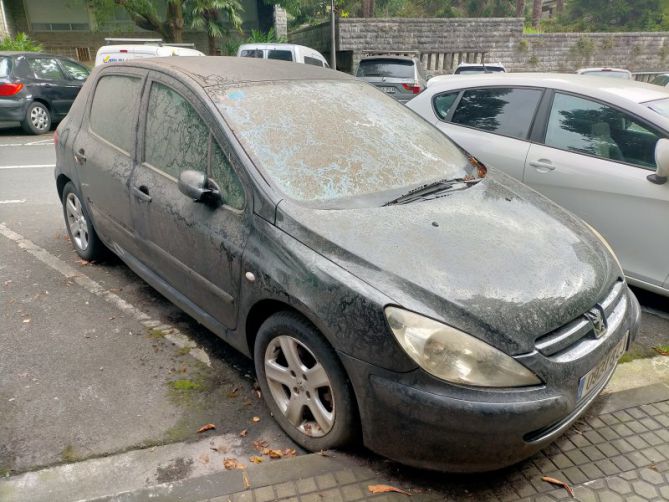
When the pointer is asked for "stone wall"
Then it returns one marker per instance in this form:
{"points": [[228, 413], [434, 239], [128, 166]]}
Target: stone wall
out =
{"points": [[443, 43]]}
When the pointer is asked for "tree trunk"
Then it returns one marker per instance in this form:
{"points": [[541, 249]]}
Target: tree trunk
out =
{"points": [[212, 45], [520, 8], [559, 8], [536, 13], [174, 21], [367, 8]]}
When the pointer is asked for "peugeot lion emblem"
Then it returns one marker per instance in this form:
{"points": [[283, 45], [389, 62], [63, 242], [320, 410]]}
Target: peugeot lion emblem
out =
{"points": [[596, 317]]}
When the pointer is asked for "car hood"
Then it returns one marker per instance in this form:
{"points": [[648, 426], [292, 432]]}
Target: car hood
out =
{"points": [[496, 260]]}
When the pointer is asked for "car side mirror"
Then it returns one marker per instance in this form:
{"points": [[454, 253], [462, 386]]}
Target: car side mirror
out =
{"points": [[199, 187], [662, 163]]}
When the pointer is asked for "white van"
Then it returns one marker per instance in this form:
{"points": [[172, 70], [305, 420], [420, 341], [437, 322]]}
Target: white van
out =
{"points": [[115, 53], [284, 52]]}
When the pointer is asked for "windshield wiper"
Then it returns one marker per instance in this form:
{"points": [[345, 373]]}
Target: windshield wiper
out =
{"points": [[435, 187]]}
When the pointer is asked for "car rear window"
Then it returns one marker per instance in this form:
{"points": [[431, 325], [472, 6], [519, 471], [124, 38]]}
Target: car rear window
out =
{"points": [[113, 109], [392, 68], [251, 53], [282, 55], [354, 152], [5, 66], [607, 73], [312, 61], [660, 106], [471, 70]]}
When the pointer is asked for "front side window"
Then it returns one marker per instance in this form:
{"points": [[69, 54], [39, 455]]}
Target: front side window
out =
{"points": [[443, 103], [177, 139], [505, 111], [361, 151], [112, 118], [585, 126], [46, 68], [226, 178], [281, 55], [312, 61], [76, 71]]}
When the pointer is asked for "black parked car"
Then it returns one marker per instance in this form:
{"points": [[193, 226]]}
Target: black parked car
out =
{"points": [[38, 89], [380, 278]]}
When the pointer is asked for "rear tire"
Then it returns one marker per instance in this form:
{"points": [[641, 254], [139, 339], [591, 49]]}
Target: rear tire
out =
{"points": [[307, 389], [37, 119], [80, 229]]}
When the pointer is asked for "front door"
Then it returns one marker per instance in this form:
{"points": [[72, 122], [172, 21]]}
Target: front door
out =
{"points": [[193, 247], [594, 162]]}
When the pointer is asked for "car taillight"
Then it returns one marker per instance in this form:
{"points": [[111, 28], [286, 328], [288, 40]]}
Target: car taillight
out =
{"points": [[413, 88], [9, 89]]}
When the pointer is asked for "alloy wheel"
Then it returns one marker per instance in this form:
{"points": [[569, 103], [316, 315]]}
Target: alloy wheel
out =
{"points": [[299, 385], [76, 221], [39, 118]]}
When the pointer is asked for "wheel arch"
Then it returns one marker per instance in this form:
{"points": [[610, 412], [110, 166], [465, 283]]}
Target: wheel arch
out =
{"points": [[61, 181]]}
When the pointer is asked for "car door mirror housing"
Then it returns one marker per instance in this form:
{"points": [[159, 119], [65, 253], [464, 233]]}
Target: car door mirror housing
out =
{"points": [[199, 187], [662, 162]]}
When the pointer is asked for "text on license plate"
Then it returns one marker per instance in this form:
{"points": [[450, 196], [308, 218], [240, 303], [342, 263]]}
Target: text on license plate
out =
{"points": [[592, 377], [388, 90]]}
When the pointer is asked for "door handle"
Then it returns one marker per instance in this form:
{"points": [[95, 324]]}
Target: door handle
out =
{"points": [[543, 165], [80, 157], [142, 193]]}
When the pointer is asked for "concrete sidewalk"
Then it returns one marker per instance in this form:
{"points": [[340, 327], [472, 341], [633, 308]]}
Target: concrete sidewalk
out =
{"points": [[619, 451]]}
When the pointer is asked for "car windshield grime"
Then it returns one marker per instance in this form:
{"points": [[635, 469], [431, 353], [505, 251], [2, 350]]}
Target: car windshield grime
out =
{"points": [[660, 106], [391, 68], [338, 144]]}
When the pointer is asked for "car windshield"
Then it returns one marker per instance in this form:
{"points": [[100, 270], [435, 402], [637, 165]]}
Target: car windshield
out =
{"points": [[5, 66], [607, 73], [660, 106], [326, 151], [478, 69], [392, 68]]}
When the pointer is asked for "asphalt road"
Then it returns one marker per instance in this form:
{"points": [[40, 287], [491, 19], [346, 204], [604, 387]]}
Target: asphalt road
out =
{"points": [[82, 371]]}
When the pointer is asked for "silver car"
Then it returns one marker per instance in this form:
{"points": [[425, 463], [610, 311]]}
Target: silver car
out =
{"points": [[595, 146], [400, 77]]}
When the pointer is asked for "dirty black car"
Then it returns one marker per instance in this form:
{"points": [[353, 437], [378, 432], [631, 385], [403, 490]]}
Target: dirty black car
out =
{"points": [[387, 287], [37, 89]]}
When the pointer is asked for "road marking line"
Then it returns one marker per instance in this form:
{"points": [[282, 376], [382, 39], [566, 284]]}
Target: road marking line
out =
{"points": [[171, 333], [40, 142], [30, 166], [27, 144], [16, 201]]}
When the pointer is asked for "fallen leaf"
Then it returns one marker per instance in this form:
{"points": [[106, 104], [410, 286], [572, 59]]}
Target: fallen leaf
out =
{"points": [[232, 463], [244, 433], [661, 351], [83, 263], [247, 483], [234, 392], [273, 453], [255, 459], [324, 453], [206, 427], [255, 420], [289, 452], [25, 321], [557, 482], [386, 489], [260, 444]]}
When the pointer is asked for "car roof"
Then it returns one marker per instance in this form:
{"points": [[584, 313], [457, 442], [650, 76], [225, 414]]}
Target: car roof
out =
{"points": [[630, 90], [230, 70], [389, 56], [465, 65], [272, 45], [603, 69]]}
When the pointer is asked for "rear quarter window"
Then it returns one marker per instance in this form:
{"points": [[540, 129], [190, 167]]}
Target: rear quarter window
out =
{"points": [[112, 115], [5, 66]]}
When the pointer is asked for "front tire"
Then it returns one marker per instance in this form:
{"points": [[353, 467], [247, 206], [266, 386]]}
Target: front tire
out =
{"points": [[37, 119], [304, 384], [85, 240]]}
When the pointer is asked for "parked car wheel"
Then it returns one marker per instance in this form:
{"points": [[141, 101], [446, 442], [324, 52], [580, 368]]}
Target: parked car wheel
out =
{"points": [[38, 119], [304, 384], [85, 240]]}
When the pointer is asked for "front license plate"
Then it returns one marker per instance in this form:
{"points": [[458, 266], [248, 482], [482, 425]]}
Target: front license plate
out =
{"points": [[592, 377], [388, 90]]}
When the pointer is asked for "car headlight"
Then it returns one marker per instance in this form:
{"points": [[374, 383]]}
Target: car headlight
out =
{"points": [[606, 244], [454, 356]]}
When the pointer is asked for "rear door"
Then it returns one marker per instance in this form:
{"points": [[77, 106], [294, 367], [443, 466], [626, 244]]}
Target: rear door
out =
{"points": [[76, 75], [52, 83], [104, 153], [193, 247], [493, 123], [594, 161]]}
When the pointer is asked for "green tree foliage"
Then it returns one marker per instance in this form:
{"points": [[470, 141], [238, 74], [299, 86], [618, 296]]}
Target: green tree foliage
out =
{"points": [[145, 14], [614, 15], [209, 15], [20, 43]]}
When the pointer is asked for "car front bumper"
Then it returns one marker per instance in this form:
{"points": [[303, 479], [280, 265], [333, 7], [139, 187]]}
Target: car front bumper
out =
{"points": [[13, 110], [417, 420]]}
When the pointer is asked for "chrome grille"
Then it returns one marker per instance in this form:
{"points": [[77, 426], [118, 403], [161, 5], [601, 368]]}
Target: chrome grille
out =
{"points": [[610, 311]]}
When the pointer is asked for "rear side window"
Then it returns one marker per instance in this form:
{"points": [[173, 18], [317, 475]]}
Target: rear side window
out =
{"points": [[393, 68], [5, 66], [280, 54], [46, 69], [312, 61], [504, 111], [251, 53], [177, 139], [113, 109]]}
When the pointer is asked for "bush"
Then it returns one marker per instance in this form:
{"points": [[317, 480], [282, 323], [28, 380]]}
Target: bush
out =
{"points": [[21, 43]]}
